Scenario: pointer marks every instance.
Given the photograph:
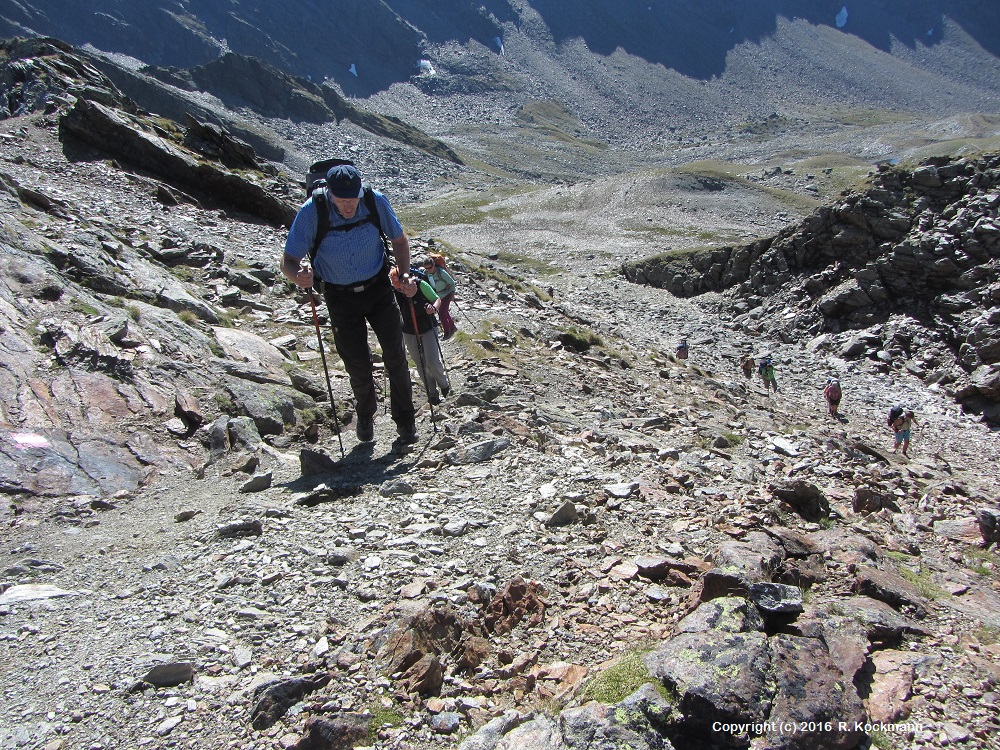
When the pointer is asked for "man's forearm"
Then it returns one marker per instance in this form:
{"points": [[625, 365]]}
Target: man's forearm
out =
{"points": [[289, 267], [401, 252]]}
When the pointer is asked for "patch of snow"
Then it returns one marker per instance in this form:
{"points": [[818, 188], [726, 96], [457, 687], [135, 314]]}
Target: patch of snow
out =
{"points": [[29, 440]]}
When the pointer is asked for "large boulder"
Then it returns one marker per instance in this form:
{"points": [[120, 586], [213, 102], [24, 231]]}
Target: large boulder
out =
{"points": [[128, 138]]}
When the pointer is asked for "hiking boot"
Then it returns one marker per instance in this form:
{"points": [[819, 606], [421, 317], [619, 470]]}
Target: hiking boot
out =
{"points": [[446, 391], [365, 429], [434, 400], [407, 431]]}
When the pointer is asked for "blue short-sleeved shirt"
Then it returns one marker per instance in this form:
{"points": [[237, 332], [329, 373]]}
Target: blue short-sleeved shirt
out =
{"points": [[349, 256]]}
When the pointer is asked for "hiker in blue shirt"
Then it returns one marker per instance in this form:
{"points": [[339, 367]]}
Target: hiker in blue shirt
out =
{"points": [[352, 262]]}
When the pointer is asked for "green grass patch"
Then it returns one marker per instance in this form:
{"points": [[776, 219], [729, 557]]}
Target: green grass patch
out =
{"points": [[84, 307], [956, 147], [983, 562], [881, 740], [987, 635], [533, 265], [511, 282], [720, 170], [549, 112], [311, 415], [921, 581], [554, 120], [734, 173], [455, 209], [188, 317], [620, 680], [579, 339], [866, 117], [679, 254], [801, 203], [225, 403], [382, 716], [704, 237], [479, 345], [184, 273]]}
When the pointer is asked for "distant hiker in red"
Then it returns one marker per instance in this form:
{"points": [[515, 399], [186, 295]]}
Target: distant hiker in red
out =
{"points": [[832, 393], [444, 286]]}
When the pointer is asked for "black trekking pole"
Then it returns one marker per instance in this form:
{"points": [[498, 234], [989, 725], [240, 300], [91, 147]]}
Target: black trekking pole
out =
{"points": [[455, 305], [437, 341], [326, 371], [423, 362]]}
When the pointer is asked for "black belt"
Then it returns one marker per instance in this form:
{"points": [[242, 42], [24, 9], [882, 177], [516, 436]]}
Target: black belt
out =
{"points": [[359, 287]]}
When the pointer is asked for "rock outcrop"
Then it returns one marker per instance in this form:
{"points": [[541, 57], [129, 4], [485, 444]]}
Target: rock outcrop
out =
{"points": [[904, 271]]}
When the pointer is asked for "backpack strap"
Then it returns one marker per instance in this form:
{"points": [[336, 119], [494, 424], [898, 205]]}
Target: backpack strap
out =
{"points": [[373, 217], [323, 227]]}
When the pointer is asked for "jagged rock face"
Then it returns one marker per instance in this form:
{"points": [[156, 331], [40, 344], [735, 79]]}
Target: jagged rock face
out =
{"points": [[41, 74], [301, 38], [923, 244], [112, 131], [385, 39]]}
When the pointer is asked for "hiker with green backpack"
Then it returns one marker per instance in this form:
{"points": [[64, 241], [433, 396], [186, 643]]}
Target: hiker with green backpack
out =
{"points": [[436, 268], [419, 332], [341, 236], [766, 370]]}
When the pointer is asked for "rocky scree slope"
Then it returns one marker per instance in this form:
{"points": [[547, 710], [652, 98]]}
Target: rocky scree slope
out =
{"points": [[187, 561], [903, 272], [235, 82], [671, 76]]}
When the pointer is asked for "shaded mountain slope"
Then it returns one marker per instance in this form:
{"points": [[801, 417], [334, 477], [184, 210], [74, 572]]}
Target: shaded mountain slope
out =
{"points": [[385, 40]]}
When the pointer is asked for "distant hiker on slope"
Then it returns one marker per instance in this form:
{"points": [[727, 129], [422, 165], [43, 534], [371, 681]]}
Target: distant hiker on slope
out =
{"points": [[902, 425], [682, 349], [766, 370], [832, 393], [352, 261], [747, 365], [424, 352], [444, 286]]}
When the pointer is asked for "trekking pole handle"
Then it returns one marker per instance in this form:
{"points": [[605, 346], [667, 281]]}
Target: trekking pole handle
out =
{"points": [[302, 276]]}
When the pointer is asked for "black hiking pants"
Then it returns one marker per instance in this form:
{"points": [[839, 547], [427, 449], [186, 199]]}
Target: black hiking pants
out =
{"points": [[350, 314]]}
